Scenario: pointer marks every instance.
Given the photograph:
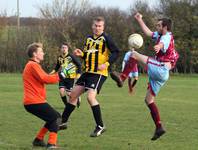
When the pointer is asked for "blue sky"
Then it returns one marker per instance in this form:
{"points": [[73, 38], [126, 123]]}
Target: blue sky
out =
{"points": [[30, 7]]}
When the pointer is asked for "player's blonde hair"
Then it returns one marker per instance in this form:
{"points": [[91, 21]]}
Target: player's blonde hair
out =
{"points": [[33, 48]]}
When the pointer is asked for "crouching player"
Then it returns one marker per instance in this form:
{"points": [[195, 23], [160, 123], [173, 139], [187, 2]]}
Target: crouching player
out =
{"points": [[34, 79], [157, 68]]}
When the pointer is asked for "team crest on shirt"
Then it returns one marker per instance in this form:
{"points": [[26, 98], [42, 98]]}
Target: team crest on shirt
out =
{"points": [[92, 85], [97, 41]]}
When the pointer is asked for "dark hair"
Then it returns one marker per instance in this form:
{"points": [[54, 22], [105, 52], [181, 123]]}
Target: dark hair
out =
{"points": [[33, 48], [65, 43], [99, 18], [166, 22]]}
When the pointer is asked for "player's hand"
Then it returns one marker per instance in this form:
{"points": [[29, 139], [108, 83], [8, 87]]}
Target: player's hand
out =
{"points": [[61, 75], [157, 48], [138, 16], [52, 72], [132, 50], [78, 52], [103, 66]]}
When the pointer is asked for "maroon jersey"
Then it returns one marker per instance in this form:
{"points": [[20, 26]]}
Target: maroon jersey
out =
{"points": [[168, 53], [131, 61], [133, 64]]}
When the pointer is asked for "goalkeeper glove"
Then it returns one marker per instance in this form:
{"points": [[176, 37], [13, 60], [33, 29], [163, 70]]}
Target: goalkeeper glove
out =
{"points": [[61, 75], [78, 75]]}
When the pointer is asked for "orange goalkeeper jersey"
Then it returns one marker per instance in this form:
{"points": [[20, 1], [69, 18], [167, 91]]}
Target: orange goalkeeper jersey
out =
{"points": [[34, 80]]}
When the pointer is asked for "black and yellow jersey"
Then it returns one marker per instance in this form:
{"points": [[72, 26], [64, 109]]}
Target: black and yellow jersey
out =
{"points": [[69, 62], [98, 51]]}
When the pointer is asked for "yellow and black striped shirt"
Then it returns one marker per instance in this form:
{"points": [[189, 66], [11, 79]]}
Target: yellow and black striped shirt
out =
{"points": [[98, 51]]}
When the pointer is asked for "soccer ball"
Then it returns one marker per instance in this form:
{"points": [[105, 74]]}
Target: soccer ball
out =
{"points": [[135, 41]]}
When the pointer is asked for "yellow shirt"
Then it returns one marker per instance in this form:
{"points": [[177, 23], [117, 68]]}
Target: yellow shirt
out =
{"points": [[97, 51]]}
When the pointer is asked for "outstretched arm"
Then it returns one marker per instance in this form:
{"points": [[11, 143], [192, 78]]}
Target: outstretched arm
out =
{"points": [[145, 29], [42, 76]]}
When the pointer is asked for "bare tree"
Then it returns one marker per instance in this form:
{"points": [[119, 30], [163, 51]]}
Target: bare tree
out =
{"points": [[60, 16]]}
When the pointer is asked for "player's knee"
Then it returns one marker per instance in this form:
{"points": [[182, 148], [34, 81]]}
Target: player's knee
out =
{"points": [[54, 124], [68, 93], [56, 117], [58, 121], [72, 98], [148, 101], [90, 98]]}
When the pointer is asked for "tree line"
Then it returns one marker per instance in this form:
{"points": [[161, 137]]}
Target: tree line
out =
{"points": [[70, 21]]}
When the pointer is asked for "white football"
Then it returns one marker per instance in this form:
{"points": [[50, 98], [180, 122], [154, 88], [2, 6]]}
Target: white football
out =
{"points": [[135, 41]]}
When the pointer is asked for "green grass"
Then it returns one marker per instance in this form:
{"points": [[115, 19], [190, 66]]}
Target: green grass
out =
{"points": [[128, 122]]}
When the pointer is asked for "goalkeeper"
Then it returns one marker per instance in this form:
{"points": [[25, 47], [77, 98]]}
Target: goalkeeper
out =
{"points": [[71, 67]]}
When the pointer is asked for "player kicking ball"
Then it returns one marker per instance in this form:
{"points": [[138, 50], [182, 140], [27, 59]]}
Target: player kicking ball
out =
{"points": [[157, 68]]}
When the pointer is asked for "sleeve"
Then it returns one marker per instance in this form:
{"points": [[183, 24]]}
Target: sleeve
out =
{"points": [[155, 36], [42, 76], [57, 66], [123, 65], [113, 49], [126, 56], [77, 63], [165, 39]]}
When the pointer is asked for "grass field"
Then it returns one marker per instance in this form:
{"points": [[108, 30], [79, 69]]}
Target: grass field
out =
{"points": [[128, 121]]}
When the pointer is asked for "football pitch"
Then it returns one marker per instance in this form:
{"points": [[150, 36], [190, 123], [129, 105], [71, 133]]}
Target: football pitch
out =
{"points": [[128, 121]]}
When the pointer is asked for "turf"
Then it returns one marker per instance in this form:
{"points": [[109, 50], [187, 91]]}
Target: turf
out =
{"points": [[128, 121]]}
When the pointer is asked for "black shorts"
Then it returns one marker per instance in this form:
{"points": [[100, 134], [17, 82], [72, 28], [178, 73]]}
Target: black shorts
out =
{"points": [[67, 83], [43, 111], [91, 81]]}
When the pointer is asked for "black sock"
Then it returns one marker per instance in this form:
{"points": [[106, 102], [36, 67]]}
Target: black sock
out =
{"points": [[134, 83], [97, 114], [64, 99], [67, 112]]}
